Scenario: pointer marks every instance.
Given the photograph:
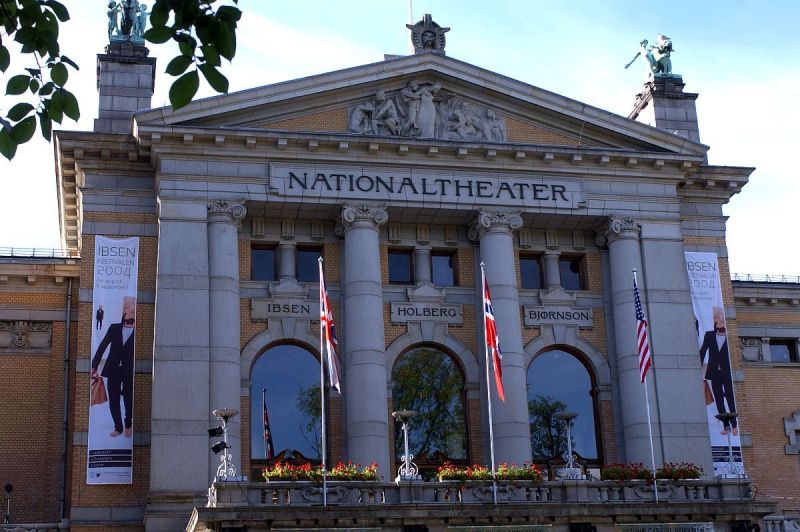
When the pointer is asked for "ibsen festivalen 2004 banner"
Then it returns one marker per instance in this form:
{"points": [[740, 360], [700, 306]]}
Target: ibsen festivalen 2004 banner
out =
{"points": [[712, 340], [110, 447]]}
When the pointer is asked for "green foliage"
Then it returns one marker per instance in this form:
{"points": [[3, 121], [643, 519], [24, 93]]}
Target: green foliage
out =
{"points": [[548, 433], [203, 35], [309, 406]]}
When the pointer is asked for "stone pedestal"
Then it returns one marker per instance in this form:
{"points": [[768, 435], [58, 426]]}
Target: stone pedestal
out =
{"points": [[663, 104], [512, 440], [364, 343], [125, 80]]}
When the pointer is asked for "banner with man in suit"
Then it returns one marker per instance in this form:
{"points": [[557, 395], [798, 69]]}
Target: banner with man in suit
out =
{"points": [[110, 458], [712, 339]]}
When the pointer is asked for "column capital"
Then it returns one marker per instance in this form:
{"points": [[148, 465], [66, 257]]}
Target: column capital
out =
{"points": [[494, 221], [227, 211], [617, 228], [353, 214]]}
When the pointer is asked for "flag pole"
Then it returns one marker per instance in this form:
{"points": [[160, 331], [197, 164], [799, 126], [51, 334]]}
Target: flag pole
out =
{"points": [[488, 383], [264, 432], [322, 391], [649, 423]]}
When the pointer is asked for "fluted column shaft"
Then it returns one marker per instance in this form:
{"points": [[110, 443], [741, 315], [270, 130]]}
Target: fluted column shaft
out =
{"points": [[512, 441], [364, 343], [224, 326]]}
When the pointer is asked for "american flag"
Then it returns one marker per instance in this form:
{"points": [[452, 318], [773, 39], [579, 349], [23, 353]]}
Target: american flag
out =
{"points": [[329, 343], [643, 343], [492, 340], [269, 448]]}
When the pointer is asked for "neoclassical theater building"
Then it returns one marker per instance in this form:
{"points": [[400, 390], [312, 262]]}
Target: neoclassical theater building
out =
{"points": [[404, 176]]}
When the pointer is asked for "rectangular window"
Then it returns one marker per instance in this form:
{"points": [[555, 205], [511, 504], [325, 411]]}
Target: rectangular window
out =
{"points": [[530, 272], [308, 265], [783, 351], [571, 274], [400, 267], [262, 266], [443, 268]]}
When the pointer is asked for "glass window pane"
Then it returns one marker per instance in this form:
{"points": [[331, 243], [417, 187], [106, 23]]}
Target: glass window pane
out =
{"points": [[780, 352], [557, 381], [570, 270], [428, 381], [400, 267], [530, 272], [443, 269], [263, 264], [290, 376], [308, 265]]}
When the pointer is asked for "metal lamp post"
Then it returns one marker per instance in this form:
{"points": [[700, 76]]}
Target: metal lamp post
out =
{"points": [[408, 469], [567, 418], [226, 470], [8, 488]]}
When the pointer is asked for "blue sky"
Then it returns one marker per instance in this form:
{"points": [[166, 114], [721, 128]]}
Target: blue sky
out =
{"points": [[739, 55]]}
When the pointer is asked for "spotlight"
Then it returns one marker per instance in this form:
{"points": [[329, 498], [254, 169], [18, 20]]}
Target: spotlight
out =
{"points": [[219, 446], [213, 432]]}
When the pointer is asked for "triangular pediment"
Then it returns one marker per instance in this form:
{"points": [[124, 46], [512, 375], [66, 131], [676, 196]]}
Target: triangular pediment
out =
{"points": [[425, 97]]}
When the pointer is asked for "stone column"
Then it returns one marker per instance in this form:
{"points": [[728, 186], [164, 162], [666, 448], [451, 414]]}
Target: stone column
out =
{"points": [[224, 219], [422, 265], [287, 261], [512, 440], [552, 273], [364, 344], [622, 237]]}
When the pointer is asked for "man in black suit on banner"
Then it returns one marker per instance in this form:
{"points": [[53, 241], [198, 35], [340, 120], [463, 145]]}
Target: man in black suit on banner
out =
{"points": [[718, 370], [118, 367]]}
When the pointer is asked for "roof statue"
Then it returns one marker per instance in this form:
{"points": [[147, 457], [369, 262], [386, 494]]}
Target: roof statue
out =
{"points": [[427, 36], [658, 56], [127, 20]]}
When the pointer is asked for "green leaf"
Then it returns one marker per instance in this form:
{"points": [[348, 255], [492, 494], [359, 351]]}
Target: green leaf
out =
{"points": [[178, 65], [8, 146], [59, 74], [46, 125], [5, 58], [22, 132], [159, 15], [55, 107], [71, 108], [70, 62], [210, 55], [158, 34], [17, 84], [225, 41], [214, 78], [34, 86], [59, 9], [47, 88], [184, 89], [19, 111], [229, 13]]}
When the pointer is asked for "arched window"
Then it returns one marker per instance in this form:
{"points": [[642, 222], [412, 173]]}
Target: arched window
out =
{"points": [[289, 376], [429, 381], [558, 381]]}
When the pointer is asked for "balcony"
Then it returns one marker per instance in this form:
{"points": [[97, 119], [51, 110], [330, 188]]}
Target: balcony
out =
{"points": [[443, 505]]}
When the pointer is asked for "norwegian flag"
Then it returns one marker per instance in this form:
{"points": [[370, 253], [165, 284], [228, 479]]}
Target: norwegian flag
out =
{"points": [[269, 448], [642, 341], [328, 330], [492, 340]]}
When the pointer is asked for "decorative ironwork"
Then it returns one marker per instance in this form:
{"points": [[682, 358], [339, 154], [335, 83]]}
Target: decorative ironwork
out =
{"points": [[408, 470]]}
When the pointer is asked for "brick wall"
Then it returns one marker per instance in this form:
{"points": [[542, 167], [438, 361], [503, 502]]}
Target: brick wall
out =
{"points": [[334, 121]]}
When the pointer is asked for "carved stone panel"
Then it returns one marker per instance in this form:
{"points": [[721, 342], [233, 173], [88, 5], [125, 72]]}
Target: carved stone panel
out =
{"points": [[25, 336], [425, 110]]}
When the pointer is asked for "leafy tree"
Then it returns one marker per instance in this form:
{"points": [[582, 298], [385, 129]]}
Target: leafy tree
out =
{"points": [[548, 433], [309, 405], [204, 34], [429, 382]]}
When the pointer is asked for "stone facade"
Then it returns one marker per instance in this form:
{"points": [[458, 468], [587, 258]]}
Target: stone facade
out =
{"points": [[207, 186]]}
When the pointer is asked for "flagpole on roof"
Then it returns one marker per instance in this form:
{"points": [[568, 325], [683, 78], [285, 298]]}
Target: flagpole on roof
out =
{"points": [[644, 361], [263, 421], [488, 383], [322, 385]]}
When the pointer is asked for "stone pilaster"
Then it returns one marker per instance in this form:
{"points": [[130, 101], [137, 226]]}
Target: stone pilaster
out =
{"points": [[224, 219], [364, 341], [494, 231], [622, 236]]}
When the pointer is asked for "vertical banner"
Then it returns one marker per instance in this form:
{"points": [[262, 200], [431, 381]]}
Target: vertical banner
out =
{"points": [[712, 340], [110, 447]]}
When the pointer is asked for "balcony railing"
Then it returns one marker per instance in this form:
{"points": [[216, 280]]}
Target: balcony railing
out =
{"points": [[765, 278], [37, 253]]}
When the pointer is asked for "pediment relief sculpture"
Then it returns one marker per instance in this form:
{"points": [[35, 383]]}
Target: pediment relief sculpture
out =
{"points": [[425, 110]]}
